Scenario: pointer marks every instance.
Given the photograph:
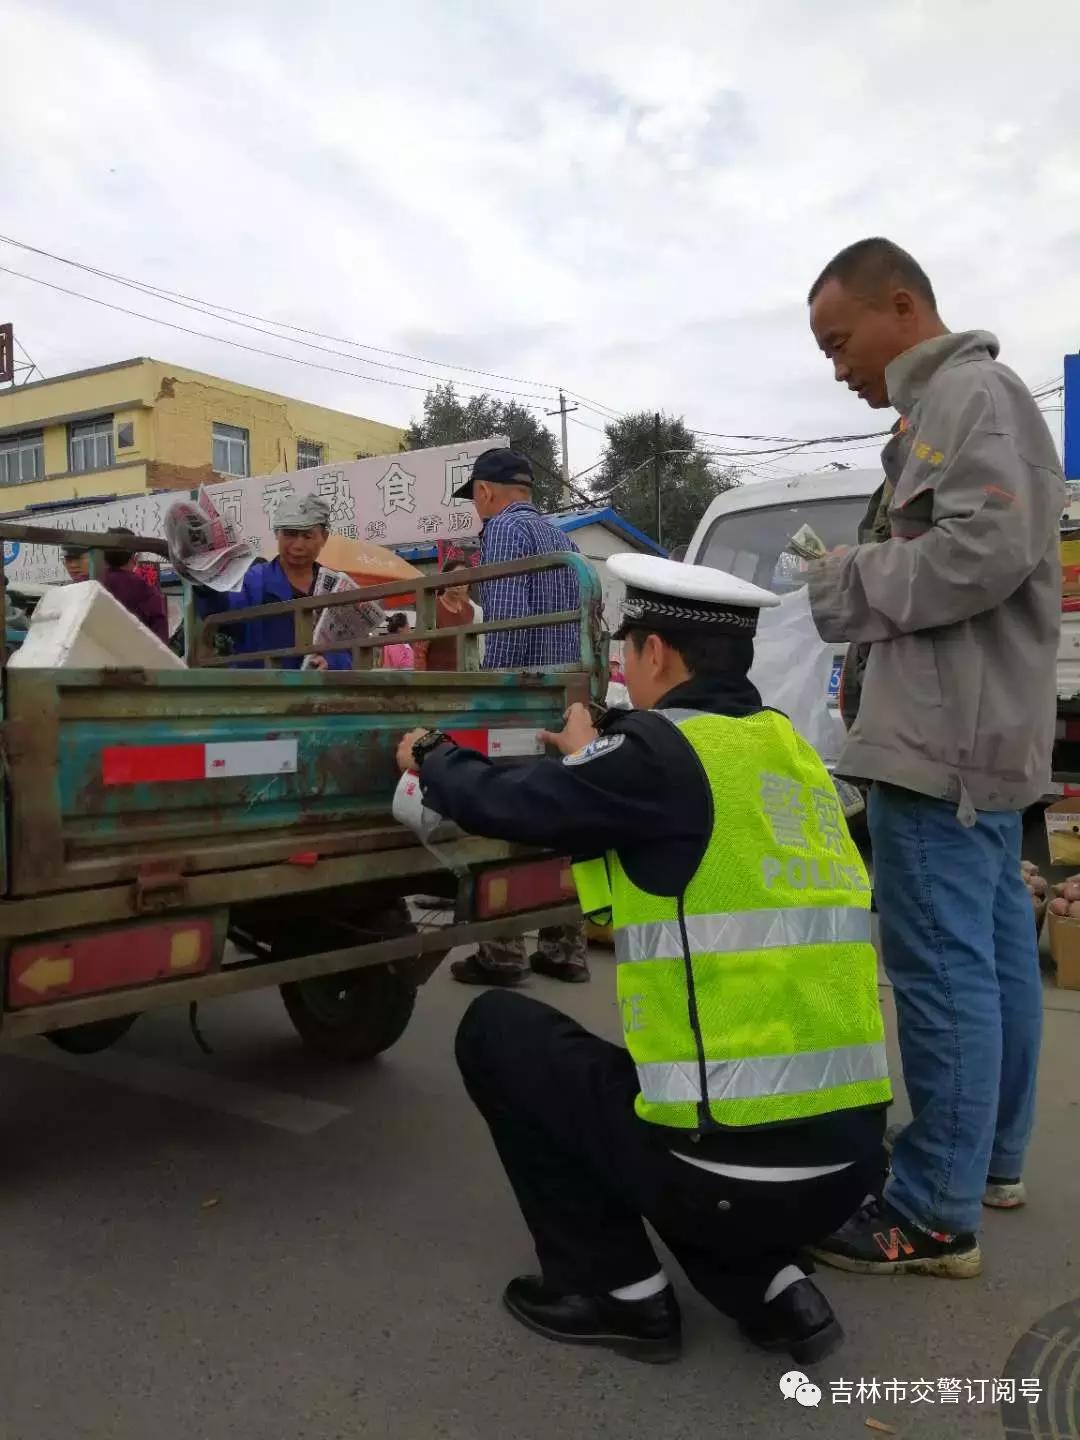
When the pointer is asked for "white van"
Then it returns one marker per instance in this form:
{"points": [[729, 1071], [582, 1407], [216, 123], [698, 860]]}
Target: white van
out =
{"points": [[746, 531]]}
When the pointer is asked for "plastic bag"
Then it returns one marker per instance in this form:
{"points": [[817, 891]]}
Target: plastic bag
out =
{"points": [[792, 666]]}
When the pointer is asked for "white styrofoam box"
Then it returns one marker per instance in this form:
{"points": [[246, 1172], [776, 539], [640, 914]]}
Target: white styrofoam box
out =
{"points": [[81, 627]]}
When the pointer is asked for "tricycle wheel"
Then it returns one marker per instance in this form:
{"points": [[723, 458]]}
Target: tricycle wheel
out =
{"points": [[353, 1015], [89, 1039]]}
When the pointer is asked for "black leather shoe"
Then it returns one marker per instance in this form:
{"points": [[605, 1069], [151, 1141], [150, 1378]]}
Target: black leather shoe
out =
{"points": [[799, 1321], [649, 1330]]}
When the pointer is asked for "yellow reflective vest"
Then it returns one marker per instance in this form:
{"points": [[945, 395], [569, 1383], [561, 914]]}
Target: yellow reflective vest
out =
{"points": [[752, 998]]}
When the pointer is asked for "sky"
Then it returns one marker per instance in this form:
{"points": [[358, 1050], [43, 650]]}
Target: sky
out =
{"points": [[626, 199]]}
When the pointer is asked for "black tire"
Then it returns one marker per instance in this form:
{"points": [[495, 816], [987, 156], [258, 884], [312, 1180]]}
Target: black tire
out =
{"points": [[90, 1039], [352, 1016]]}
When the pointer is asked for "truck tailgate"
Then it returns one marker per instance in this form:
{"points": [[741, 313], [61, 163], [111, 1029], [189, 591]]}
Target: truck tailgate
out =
{"points": [[111, 771]]}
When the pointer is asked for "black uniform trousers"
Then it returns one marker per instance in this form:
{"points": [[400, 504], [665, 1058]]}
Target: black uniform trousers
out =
{"points": [[586, 1170]]}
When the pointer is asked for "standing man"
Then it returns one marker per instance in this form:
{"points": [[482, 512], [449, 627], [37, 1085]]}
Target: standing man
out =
{"points": [[960, 604], [500, 487], [744, 1116]]}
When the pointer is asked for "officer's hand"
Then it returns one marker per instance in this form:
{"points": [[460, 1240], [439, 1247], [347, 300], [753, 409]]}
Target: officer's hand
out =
{"points": [[578, 730], [319, 662], [404, 750]]}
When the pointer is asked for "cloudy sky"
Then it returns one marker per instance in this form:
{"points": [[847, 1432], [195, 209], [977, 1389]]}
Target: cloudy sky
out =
{"points": [[627, 199]]}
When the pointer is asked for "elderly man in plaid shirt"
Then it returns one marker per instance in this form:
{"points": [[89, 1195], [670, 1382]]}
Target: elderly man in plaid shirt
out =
{"points": [[500, 486]]}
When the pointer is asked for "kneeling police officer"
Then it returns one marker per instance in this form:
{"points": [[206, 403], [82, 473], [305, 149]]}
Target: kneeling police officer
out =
{"points": [[744, 1117]]}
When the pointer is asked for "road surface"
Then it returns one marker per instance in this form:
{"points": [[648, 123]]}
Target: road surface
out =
{"points": [[258, 1246]]}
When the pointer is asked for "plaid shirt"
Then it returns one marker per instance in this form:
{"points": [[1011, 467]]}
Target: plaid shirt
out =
{"points": [[515, 533]]}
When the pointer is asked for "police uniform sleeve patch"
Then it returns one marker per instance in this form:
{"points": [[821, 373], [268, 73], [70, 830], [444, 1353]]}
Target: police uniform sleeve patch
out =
{"points": [[602, 745]]}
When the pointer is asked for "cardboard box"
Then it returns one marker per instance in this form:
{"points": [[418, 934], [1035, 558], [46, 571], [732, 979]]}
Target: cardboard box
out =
{"points": [[1065, 949], [1070, 566], [1063, 832]]}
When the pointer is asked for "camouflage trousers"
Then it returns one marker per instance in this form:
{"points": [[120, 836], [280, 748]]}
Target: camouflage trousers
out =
{"points": [[557, 942]]}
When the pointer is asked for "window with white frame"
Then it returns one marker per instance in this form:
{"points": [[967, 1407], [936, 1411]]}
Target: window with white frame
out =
{"points": [[230, 449], [309, 453], [90, 444], [21, 458]]}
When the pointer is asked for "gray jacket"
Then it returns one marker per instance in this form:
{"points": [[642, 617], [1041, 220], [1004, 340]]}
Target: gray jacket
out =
{"points": [[962, 605]]}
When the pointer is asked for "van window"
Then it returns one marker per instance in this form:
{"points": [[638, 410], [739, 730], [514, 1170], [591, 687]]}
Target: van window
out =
{"points": [[753, 543]]}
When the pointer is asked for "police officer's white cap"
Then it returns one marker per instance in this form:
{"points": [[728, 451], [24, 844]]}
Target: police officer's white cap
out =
{"points": [[670, 595]]}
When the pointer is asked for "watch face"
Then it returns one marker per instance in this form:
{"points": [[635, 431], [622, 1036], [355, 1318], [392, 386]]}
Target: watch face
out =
{"points": [[426, 744]]}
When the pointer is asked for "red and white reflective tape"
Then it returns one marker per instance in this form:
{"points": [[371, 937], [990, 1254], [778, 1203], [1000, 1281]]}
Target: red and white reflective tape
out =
{"points": [[152, 764], [497, 743]]}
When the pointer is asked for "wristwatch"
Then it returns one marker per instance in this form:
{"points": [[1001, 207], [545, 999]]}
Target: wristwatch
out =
{"points": [[426, 744]]}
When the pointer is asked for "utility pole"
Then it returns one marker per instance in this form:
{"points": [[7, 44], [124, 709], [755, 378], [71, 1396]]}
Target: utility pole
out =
{"points": [[562, 412], [656, 476]]}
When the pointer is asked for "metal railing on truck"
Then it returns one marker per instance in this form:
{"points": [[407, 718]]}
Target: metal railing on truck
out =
{"points": [[306, 611], [199, 630]]}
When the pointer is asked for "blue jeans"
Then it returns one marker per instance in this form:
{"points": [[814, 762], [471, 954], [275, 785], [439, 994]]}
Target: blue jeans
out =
{"points": [[960, 948]]}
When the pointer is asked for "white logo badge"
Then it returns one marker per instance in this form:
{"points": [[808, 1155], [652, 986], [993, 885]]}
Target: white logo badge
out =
{"points": [[799, 1387], [602, 745]]}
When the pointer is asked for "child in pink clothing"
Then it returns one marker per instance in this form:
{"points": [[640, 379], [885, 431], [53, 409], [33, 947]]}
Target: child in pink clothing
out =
{"points": [[398, 657]]}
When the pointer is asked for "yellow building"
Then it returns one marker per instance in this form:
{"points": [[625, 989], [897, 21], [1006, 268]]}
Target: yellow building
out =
{"points": [[144, 425]]}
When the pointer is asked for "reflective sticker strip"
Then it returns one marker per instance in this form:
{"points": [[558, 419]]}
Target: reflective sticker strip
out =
{"points": [[744, 930], [676, 1082], [157, 764], [148, 764], [497, 743], [514, 742], [251, 757]]}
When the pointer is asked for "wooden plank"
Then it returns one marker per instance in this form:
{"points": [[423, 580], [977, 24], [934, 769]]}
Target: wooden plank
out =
{"points": [[88, 539]]}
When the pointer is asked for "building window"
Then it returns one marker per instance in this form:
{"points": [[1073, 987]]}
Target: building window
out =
{"points": [[21, 458], [309, 453], [90, 444], [230, 449]]}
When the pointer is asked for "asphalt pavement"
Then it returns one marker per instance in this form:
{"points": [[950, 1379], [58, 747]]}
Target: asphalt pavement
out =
{"points": [[260, 1246]]}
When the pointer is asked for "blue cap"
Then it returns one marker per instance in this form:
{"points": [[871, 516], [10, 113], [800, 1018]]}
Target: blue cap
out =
{"points": [[499, 466]]}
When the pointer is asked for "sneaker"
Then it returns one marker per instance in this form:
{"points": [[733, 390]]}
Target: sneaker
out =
{"points": [[800, 1322], [565, 970], [1003, 1193], [649, 1330], [470, 972], [878, 1240]]}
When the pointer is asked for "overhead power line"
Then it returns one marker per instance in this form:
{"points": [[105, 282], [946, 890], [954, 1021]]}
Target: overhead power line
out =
{"points": [[234, 344], [584, 424], [228, 313]]}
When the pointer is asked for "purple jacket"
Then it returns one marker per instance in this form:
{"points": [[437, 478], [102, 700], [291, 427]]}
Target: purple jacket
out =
{"points": [[144, 601]]}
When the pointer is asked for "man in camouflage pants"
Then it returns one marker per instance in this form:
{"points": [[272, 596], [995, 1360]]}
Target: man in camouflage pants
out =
{"points": [[560, 953]]}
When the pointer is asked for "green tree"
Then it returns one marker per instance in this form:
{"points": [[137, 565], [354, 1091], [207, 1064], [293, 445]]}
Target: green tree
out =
{"points": [[447, 419], [689, 480]]}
